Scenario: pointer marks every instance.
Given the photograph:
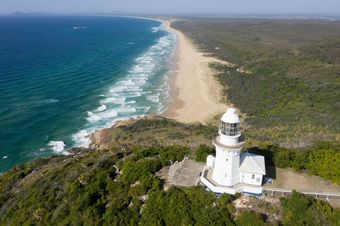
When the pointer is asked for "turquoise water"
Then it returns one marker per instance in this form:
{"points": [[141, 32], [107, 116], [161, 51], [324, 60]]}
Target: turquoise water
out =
{"points": [[61, 78]]}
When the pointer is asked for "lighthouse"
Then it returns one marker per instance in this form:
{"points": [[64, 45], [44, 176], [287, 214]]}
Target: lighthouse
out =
{"points": [[232, 170], [228, 148]]}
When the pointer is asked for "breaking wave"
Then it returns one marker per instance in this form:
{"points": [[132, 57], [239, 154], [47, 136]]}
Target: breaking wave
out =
{"points": [[58, 147], [144, 89]]}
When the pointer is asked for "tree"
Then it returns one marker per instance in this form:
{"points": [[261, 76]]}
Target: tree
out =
{"points": [[249, 218]]}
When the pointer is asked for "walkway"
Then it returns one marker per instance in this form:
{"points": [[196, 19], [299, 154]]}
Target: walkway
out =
{"points": [[185, 173], [317, 195]]}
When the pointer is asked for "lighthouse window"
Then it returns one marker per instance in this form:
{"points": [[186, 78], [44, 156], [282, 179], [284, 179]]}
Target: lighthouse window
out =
{"points": [[230, 129]]}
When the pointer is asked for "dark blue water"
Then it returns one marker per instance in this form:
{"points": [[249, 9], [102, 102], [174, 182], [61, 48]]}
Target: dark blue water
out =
{"points": [[63, 77]]}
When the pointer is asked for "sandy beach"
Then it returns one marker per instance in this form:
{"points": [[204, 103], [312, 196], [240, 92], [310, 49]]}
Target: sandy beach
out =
{"points": [[195, 93]]}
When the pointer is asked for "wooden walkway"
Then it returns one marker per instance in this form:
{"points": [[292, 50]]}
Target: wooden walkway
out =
{"points": [[285, 192]]}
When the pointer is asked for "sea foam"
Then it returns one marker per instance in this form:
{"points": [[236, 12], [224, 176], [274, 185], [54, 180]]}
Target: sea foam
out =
{"points": [[91, 117], [101, 108], [142, 91], [58, 147]]}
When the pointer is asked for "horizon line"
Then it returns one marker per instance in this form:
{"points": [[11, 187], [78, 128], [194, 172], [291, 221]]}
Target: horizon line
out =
{"points": [[172, 14]]}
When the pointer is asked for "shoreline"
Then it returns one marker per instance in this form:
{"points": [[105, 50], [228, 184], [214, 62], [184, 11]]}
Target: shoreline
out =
{"points": [[195, 93]]}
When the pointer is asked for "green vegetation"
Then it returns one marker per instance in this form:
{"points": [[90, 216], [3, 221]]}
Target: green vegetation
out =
{"points": [[120, 187], [202, 152], [186, 206], [87, 189], [304, 210], [250, 219], [158, 131], [321, 160], [285, 76], [286, 80]]}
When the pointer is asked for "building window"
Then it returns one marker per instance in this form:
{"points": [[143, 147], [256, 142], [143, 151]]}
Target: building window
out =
{"points": [[253, 176], [226, 160], [230, 129], [257, 179]]}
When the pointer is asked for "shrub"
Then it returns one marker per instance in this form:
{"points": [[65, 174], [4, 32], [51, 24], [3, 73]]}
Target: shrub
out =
{"points": [[299, 209], [202, 153], [248, 218]]}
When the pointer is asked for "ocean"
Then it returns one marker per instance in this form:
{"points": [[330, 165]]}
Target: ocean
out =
{"points": [[63, 77]]}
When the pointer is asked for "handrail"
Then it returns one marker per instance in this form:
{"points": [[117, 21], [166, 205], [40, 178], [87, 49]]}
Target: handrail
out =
{"points": [[283, 191]]}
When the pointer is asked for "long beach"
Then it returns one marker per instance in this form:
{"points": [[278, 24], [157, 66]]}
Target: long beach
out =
{"points": [[195, 92]]}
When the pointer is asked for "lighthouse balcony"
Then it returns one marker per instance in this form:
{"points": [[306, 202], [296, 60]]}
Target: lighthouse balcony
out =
{"points": [[206, 180], [218, 142]]}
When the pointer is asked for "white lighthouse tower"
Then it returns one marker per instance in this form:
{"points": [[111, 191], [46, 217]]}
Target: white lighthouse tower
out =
{"points": [[228, 147], [232, 170]]}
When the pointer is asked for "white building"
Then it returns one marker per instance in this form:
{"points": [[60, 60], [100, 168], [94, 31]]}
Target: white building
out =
{"points": [[232, 171]]}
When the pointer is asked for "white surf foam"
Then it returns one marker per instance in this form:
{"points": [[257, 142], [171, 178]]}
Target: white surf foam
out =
{"points": [[131, 94], [107, 100], [108, 114], [81, 138], [140, 92], [131, 102], [91, 117], [159, 28], [58, 147], [126, 109], [153, 98], [101, 108], [113, 100]]}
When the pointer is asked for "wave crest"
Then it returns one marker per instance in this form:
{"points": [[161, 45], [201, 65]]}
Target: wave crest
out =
{"points": [[58, 147], [143, 90]]}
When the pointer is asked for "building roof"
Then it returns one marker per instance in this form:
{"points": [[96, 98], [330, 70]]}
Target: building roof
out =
{"points": [[230, 116], [252, 163]]}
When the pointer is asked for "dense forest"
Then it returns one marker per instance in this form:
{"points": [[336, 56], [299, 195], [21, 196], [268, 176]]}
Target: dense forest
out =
{"points": [[285, 77]]}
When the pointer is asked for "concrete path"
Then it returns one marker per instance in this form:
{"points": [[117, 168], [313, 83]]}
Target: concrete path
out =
{"points": [[185, 173]]}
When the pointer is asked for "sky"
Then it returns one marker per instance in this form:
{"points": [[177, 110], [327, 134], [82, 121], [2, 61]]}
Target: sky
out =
{"points": [[173, 6]]}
